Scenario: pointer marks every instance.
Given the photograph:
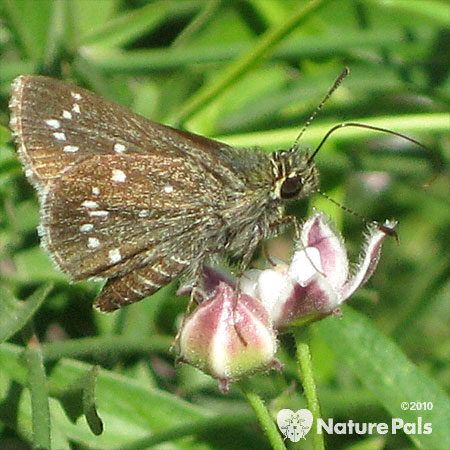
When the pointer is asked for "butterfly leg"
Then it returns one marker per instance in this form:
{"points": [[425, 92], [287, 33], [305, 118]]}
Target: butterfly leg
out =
{"points": [[279, 225]]}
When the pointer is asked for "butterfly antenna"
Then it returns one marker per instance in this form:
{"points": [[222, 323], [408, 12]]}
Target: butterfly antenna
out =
{"points": [[335, 85], [361, 125]]}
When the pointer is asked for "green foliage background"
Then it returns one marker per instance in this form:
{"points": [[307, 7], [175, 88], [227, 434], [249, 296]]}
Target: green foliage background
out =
{"points": [[248, 73]]}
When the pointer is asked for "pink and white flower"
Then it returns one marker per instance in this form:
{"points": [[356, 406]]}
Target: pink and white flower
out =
{"points": [[318, 279], [232, 333]]}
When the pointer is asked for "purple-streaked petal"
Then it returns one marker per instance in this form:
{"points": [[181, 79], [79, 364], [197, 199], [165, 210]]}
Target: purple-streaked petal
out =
{"points": [[307, 303], [318, 232], [368, 258], [210, 279]]}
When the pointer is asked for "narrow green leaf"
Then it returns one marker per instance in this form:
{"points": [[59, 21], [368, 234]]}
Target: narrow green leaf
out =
{"points": [[14, 314], [123, 29], [37, 383], [282, 138], [86, 15], [28, 21], [56, 32], [424, 10], [34, 264], [103, 346], [113, 60], [89, 407], [384, 370]]}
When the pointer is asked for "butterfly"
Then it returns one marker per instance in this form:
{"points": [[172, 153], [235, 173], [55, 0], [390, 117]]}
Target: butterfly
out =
{"points": [[139, 203]]}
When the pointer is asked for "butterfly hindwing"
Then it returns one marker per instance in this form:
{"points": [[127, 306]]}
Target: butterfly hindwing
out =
{"points": [[110, 213]]}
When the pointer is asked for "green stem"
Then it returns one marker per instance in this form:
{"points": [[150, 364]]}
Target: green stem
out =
{"points": [[256, 55], [305, 368], [264, 418]]}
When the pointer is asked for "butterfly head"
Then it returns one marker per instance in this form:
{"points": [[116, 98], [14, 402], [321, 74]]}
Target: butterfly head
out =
{"points": [[295, 176]]}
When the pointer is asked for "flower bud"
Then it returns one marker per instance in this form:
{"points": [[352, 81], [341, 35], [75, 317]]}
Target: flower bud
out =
{"points": [[228, 336]]}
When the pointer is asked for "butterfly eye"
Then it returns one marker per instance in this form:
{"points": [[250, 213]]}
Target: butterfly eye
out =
{"points": [[291, 187]]}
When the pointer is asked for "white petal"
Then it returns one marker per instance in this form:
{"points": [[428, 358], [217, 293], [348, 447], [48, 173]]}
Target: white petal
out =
{"points": [[248, 283], [305, 264], [273, 289]]}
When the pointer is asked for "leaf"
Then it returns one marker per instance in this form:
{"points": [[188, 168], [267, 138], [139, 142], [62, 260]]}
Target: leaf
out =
{"points": [[383, 369], [79, 398], [89, 407], [14, 314], [124, 28], [129, 409], [37, 384]]}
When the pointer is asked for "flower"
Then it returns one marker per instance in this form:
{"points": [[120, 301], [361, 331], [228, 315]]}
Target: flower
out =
{"points": [[232, 333], [229, 335], [318, 279]]}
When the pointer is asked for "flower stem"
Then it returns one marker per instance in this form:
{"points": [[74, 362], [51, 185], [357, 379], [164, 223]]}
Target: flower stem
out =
{"points": [[264, 418], [305, 368]]}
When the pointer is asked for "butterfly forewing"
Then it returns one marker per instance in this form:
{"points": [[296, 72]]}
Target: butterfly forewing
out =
{"points": [[57, 124]]}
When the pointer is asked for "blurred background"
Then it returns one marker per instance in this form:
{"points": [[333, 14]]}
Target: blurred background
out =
{"points": [[248, 73]]}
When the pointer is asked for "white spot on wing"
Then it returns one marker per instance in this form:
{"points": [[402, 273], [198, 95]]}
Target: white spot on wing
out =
{"points": [[119, 148], [144, 213], [95, 191], [75, 95], [76, 108], [59, 136], [168, 188], [67, 114], [53, 123], [70, 148], [89, 204], [118, 175], [100, 213], [114, 255], [86, 227], [93, 243]]}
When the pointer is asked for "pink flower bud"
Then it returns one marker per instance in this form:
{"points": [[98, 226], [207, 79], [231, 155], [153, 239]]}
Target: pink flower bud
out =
{"points": [[228, 336]]}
